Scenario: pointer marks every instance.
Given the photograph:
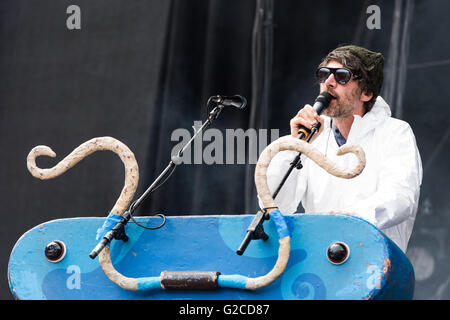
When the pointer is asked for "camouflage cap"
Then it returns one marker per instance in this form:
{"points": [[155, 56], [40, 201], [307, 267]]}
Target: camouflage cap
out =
{"points": [[373, 63]]}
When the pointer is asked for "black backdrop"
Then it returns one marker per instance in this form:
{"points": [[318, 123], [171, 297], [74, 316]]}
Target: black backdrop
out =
{"points": [[138, 70]]}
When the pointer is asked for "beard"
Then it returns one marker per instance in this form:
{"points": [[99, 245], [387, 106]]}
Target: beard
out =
{"points": [[343, 105]]}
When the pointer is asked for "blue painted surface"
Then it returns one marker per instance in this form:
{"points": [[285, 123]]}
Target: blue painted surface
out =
{"points": [[375, 269]]}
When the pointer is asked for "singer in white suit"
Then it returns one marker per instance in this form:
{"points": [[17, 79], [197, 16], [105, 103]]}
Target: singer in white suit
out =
{"points": [[386, 193]]}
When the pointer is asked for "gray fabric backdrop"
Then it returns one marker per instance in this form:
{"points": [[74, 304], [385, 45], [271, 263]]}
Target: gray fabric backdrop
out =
{"points": [[138, 70]]}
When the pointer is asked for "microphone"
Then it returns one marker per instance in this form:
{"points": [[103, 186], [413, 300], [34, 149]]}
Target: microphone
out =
{"points": [[236, 101], [321, 103]]}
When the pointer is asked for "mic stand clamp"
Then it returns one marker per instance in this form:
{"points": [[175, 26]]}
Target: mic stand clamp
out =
{"points": [[297, 162], [119, 229], [255, 231], [117, 232]]}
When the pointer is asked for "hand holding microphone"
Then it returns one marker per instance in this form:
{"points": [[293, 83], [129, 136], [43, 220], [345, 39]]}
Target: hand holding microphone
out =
{"points": [[309, 115]]}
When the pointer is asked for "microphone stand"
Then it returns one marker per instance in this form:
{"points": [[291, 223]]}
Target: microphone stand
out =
{"points": [[256, 230], [118, 231]]}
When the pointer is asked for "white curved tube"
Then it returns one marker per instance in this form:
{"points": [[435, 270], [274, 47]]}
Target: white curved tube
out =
{"points": [[132, 178], [122, 203], [290, 143]]}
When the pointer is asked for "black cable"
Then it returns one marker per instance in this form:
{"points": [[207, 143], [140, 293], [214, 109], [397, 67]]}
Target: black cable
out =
{"points": [[151, 228], [159, 214]]}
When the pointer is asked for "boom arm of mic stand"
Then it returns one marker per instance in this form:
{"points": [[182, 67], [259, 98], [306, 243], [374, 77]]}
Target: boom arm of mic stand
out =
{"points": [[118, 231], [256, 230]]}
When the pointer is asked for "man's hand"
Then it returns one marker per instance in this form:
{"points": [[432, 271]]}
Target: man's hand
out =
{"points": [[306, 117]]}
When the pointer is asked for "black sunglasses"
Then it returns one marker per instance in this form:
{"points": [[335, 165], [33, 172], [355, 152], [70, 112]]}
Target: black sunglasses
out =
{"points": [[342, 75]]}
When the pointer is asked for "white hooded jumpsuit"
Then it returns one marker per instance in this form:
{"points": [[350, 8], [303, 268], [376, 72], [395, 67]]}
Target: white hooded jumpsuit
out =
{"points": [[385, 194]]}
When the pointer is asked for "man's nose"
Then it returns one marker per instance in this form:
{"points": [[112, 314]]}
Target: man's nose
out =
{"points": [[331, 81]]}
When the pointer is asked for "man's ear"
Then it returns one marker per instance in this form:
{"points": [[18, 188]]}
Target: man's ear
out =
{"points": [[366, 96]]}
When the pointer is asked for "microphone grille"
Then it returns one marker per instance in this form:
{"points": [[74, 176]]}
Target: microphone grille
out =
{"points": [[324, 97]]}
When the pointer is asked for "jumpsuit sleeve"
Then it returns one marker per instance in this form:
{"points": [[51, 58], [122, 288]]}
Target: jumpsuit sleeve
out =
{"points": [[399, 180]]}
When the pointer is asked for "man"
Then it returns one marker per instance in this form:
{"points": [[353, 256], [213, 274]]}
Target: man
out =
{"points": [[386, 193]]}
